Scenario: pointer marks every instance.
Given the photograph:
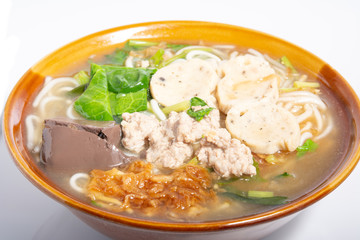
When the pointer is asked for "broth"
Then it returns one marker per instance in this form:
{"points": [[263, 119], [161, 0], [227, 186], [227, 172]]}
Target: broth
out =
{"points": [[303, 173]]}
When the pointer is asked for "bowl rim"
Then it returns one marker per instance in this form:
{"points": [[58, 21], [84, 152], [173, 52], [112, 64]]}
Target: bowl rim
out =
{"points": [[285, 210]]}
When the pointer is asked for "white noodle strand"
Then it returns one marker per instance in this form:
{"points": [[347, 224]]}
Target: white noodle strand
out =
{"points": [[31, 121], [156, 109], [305, 136], [50, 84], [74, 181], [305, 115]]}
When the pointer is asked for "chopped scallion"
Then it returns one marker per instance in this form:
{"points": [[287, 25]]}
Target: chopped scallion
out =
{"points": [[286, 62], [299, 84], [178, 107]]}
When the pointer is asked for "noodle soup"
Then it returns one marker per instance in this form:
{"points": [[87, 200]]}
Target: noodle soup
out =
{"points": [[208, 131]]}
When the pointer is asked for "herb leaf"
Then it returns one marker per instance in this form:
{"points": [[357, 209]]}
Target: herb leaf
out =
{"points": [[157, 58], [82, 77], [94, 103], [128, 102], [118, 57], [308, 146], [276, 200], [201, 113], [125, 80]]}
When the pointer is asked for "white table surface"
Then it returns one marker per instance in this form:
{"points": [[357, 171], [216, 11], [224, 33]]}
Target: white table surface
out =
{"points": [[31, 29]]}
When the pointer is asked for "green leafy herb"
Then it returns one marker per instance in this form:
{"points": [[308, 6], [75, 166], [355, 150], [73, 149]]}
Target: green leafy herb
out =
{"points": [[112, 91], [308, 146], [157, 58], [124, 79], [259, 194], [82, 77], [136, 45], [96, 204], [222, 182], [128, 102], [201, 113], [118, 57], [286, 62], [94, 103], [75, 92], [285, 174], [276, 200]]}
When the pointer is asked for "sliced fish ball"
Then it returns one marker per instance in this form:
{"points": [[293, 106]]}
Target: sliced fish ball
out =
{"points": [[245, 68], [264, 127], [231, 93], [183, 80]]}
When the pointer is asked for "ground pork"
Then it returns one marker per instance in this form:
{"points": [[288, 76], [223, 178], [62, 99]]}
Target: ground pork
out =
{"points": [[228, 157], [170, 143], [136, 128]]}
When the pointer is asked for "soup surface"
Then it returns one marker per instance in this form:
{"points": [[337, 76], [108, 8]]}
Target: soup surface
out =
{"points": [[185, 132]]}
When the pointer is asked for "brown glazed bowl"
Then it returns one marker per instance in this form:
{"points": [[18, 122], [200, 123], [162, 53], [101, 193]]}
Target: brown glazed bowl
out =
{"points": [[121, 227]]}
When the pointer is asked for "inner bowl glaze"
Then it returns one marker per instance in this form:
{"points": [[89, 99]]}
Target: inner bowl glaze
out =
{"points": [[117, 226]]}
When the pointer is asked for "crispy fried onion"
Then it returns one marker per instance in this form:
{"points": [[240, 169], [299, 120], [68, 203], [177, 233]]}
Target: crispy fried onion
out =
{"points": [[183, 194]]}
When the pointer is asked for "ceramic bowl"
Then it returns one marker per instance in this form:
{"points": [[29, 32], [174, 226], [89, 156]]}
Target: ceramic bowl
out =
{"points": [[120, 227]]}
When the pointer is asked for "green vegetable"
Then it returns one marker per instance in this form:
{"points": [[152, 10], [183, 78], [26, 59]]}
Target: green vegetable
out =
{"points": [[75, 92], [222, 182], [199, 114], [286, 62], [118, 57], [184, 53], [298, 84], [135, 45], [128, 102], [271, 158], [259, 194], [157, 58], [276, 200], [112, 91], [285, 174], [193, 161], [178, 107], [124, 79], [94, 103], [82, 77], [308, 146], [96, 204]]}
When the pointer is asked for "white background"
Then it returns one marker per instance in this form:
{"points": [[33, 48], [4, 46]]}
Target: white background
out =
{"points": [[29, 30]]}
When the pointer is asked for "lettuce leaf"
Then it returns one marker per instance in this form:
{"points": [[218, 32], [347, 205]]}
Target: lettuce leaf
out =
{"points": [[94, 103], [125, 79], [128, 102]]}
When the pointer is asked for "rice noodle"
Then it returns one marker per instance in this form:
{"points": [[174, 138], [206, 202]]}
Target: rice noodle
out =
{"points": [[305, 115], [50, 84], [255, 53], [318, 118], [156, 109], [305, 136], [74, 181], [69, 112], [194, 53], [30, 129], [303, 100], [47, 100], [327, 130], [306, 127]]}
